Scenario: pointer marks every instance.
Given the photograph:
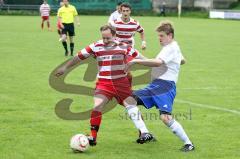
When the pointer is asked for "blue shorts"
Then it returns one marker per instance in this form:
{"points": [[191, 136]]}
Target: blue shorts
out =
{"points": [[159, 93]]}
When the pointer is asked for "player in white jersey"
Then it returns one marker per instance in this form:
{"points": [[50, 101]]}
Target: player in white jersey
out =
{"points": [[162, 90], [126, 27], [116, 14], [45, 12]]}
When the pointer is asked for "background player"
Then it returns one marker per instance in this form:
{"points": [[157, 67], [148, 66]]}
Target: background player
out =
{"points": [[66, 16], [126, 27], [45, 12], [162, 90], [111, 56], [116, 14], [59, 27]]}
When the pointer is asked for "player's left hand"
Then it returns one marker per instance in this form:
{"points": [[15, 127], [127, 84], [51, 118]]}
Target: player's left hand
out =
{"points": [[78, 24], [144, 45]]}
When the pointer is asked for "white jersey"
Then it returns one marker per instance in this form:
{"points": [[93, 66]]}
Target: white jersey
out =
{"points": [[114, 16], [44, 10], [172, 56]]}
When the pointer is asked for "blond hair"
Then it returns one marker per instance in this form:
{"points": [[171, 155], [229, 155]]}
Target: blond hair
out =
{"points": [[166, 27], [108, 27]]}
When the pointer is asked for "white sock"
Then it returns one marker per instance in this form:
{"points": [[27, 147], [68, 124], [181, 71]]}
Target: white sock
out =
{"points": [[178, 130], [136, 117]]}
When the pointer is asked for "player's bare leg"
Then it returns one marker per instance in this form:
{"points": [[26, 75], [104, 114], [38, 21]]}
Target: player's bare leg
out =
{"points": [[178, 130], [64, 43], [42, 24], [96, 116], [48, 25], [71, 45], [135, 115]]}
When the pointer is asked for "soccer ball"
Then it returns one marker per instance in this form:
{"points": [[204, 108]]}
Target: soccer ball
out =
{"points": [[79, 143]]}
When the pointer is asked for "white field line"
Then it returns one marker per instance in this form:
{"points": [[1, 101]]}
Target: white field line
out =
{"points": [[220, 108], [206, 88]]}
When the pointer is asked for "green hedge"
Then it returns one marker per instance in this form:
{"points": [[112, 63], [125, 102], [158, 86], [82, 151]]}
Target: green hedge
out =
{"points": [[196, 14], [24, 2]]}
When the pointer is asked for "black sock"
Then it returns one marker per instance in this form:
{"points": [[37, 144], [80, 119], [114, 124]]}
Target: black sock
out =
{"points": [[64, 43], [72, 48]]}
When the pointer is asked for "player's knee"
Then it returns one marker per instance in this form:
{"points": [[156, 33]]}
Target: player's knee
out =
{"points": [[98, 108], [166, 118], [129, 101], [99, 102], [64, 37]]}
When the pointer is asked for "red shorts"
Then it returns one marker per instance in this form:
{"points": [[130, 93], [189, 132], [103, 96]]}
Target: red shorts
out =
{"points": [[129, 76], [118, 88], [45, 17]]}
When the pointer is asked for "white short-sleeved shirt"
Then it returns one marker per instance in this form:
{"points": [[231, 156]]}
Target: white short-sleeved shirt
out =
{"points": [[172, 56], [114, 16]]}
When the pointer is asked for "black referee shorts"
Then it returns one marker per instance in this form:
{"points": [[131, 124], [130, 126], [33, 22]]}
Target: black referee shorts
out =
{"points": [[68, 29]]}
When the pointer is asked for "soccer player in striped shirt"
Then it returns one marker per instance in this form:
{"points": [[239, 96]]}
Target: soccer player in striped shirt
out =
{"points": [[45, 12], [126, 27], [111, 56]]}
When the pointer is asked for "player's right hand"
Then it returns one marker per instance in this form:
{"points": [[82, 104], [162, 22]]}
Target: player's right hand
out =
{"points": [[60, 71], [144, 45]]}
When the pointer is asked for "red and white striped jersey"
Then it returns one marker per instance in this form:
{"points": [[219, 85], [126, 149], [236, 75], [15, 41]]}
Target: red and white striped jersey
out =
{"points": [[45, 10], [126, 31], [111, 60]]}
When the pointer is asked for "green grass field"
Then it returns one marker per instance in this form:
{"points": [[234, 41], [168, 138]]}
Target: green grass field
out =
{"points": [[208, 87]]}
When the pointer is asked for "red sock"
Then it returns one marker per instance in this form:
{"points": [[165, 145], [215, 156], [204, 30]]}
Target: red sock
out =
{"points": [[95, 122]]}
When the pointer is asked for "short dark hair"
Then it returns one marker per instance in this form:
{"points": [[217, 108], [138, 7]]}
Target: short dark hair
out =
{"points": [[107, 27], [126, 5], [167, 27]]}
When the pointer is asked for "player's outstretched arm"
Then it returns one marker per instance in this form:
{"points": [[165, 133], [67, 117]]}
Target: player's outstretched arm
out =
{"points": [[68, 65], [145, 62], [148, 62]]}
